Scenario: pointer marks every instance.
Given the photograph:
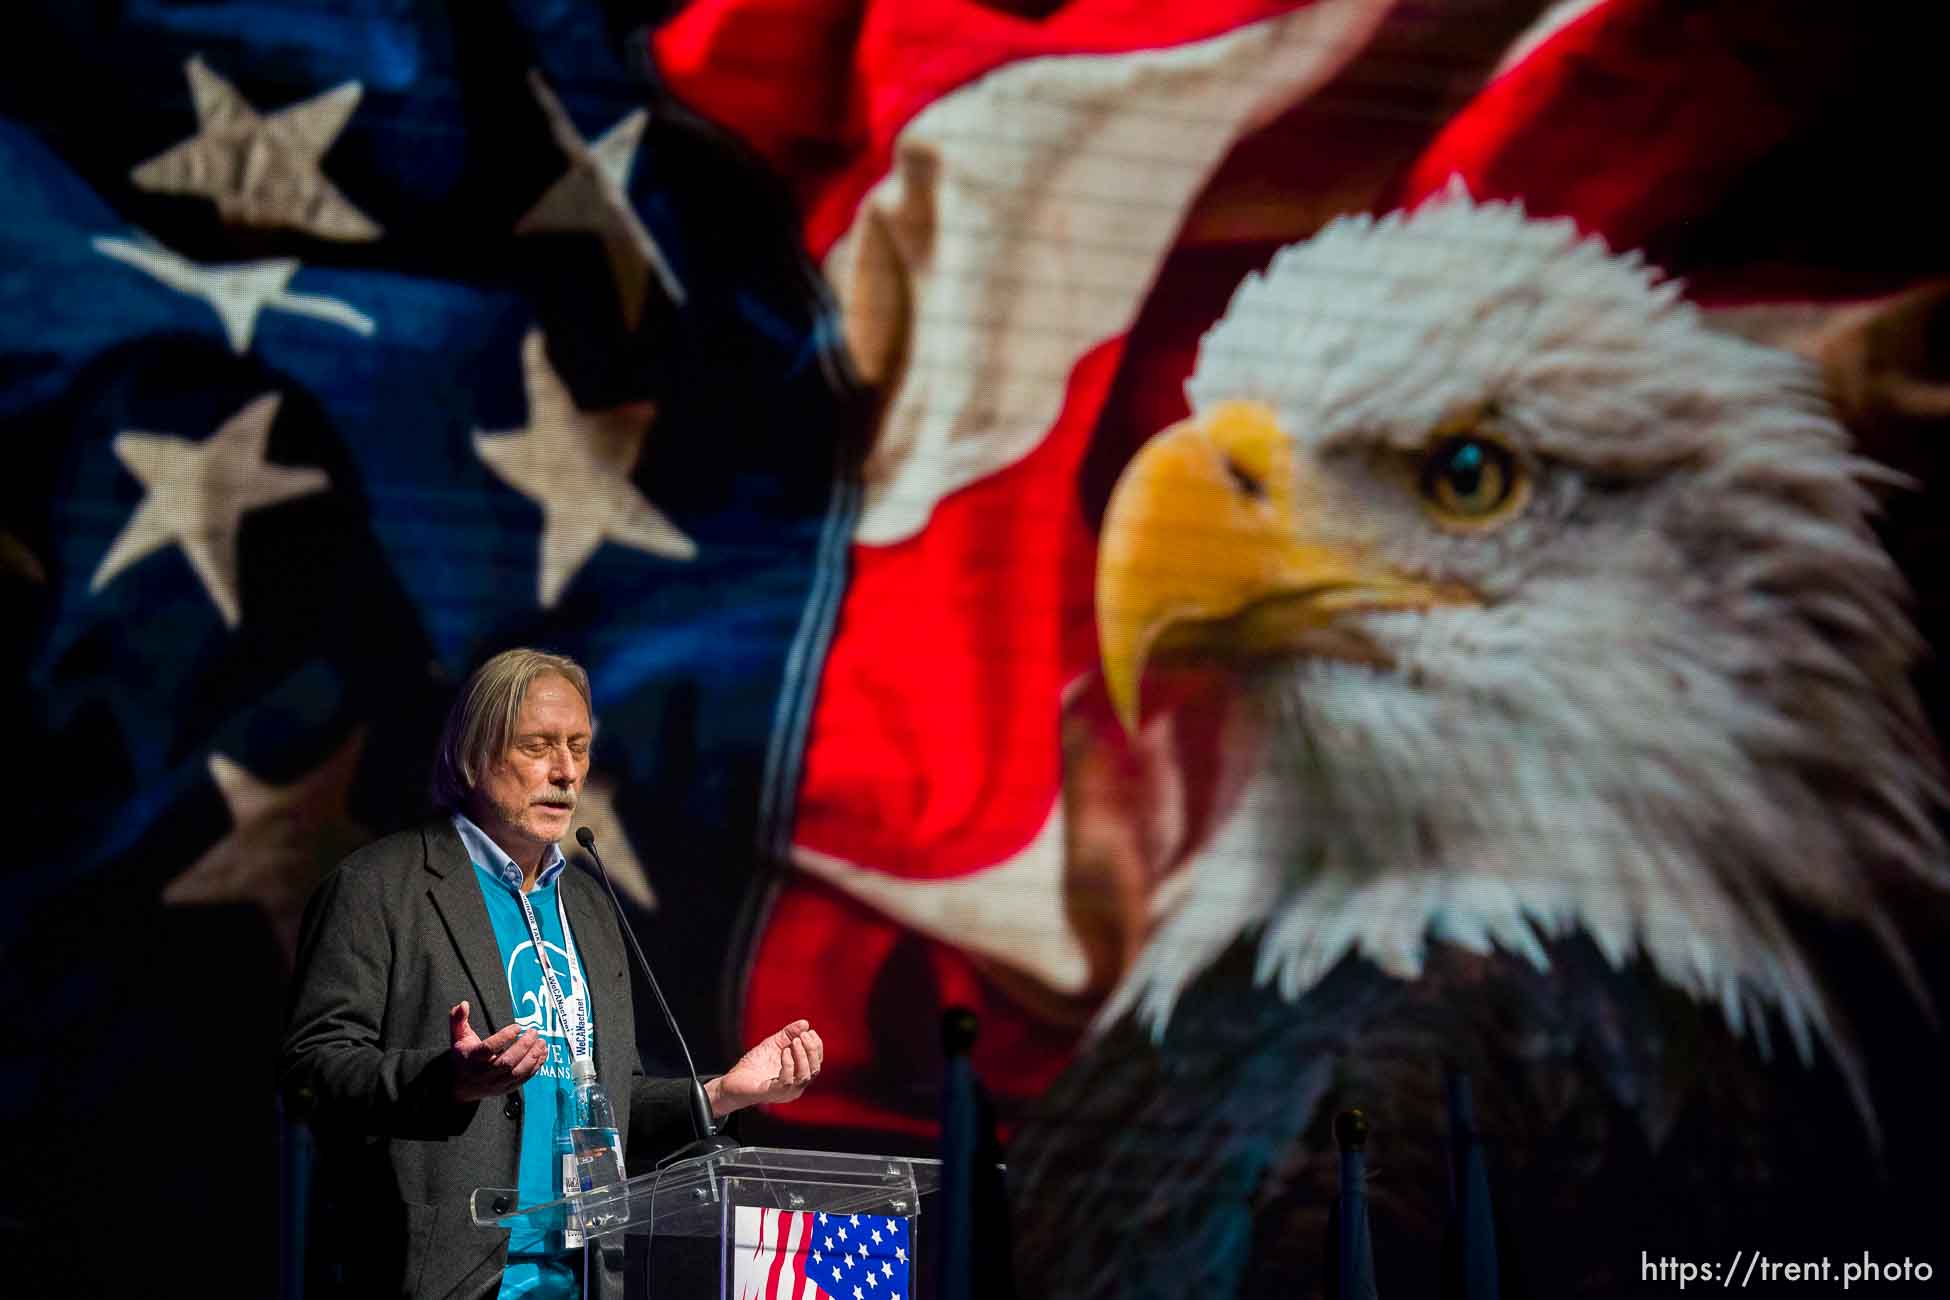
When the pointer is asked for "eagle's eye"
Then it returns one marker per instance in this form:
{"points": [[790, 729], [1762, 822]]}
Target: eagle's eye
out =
{"points": [[1471, 481]]}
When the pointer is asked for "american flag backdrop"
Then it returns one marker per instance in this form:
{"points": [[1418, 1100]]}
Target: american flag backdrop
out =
{"points": [[775, 359], [344, 344], [811, 1255], [1029, 213]]}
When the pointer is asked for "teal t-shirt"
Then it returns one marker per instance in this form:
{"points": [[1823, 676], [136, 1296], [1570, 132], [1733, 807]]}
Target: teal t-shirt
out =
{"points": [[538, 1264]]}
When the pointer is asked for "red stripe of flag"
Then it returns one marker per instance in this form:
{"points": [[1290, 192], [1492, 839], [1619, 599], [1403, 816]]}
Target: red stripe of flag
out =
{"points": [[799, 1257], [822, 88], [776, 1219]]}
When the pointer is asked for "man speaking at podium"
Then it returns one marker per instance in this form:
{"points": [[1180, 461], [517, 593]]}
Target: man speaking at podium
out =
{"points": [[431, 1050]]}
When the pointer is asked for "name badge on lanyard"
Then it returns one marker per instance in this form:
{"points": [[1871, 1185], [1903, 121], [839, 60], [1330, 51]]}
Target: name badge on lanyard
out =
{"points": [[578, 1029]]}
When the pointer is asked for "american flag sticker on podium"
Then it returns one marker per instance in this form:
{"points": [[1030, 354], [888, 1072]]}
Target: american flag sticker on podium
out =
{"points": [[805, 1254]]}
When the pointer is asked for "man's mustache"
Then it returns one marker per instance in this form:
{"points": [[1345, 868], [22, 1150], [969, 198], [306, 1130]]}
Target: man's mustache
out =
{"points": [[556, 799]]}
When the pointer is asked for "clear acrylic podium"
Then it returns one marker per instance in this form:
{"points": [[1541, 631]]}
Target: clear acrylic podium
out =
{"points": [[700, 1197]]}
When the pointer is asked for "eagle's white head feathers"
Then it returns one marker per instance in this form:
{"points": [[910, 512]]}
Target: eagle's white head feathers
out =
{"points": [[1678, 709]]}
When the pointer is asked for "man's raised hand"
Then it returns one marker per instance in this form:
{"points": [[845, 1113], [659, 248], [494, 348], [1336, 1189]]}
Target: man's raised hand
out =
{"points": [[499, 1063], [776, 1069]]}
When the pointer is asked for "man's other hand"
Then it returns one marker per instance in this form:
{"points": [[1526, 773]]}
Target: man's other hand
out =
{"points": [[488, 1067], [776, 1069]]}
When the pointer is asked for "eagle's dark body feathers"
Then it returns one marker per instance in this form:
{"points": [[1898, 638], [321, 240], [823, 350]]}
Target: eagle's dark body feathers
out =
{"points": [[1617, 1115]]}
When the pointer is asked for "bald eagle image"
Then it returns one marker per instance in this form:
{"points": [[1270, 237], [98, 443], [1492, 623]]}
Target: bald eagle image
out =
{"points": [[1584, 761]]}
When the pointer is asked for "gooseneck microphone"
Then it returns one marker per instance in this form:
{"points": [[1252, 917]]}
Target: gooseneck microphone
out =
{"points": [[708, 1139]]}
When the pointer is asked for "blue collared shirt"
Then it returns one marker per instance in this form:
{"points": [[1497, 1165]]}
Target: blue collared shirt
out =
{"points": [[486, 853]]}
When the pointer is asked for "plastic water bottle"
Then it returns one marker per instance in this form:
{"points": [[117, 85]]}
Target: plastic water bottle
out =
{"points": [[595, 1145]]}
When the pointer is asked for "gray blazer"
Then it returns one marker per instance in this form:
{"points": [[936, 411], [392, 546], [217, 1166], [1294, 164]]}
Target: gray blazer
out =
{"points": [[392, 938]]}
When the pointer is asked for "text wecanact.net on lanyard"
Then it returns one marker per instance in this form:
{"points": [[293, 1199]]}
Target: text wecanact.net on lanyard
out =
{"points": [[578, 1031]]}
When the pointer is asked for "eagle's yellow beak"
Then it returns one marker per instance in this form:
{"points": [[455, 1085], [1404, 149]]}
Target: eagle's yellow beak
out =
{"points": [[1206, 546]]}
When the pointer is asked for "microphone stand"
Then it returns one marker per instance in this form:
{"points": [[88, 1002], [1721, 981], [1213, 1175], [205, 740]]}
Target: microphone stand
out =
{"points": [[707, 1139]]}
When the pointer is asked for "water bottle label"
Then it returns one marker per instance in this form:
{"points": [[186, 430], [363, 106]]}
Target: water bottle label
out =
{"points": [[571, 1183], [599, 1161]]}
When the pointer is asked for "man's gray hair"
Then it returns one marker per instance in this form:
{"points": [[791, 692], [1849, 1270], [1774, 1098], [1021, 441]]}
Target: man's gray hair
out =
{"points": [[482, 721]]}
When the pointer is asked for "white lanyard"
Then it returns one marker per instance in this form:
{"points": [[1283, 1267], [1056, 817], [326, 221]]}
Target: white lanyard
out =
{"points": [[579, 1031]]}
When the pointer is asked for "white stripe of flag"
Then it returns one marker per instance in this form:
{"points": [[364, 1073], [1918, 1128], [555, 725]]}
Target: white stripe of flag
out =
{"points": [[766, 1248]]}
